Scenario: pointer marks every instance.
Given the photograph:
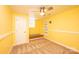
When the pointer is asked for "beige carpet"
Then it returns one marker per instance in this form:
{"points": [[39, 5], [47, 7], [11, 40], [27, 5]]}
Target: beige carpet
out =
{"points": [[40, 46]]}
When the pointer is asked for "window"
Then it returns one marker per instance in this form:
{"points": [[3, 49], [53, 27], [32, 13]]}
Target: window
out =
{"points": [[32, 22]]}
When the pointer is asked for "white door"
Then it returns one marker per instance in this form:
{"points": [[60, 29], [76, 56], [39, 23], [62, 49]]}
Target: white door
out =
{"points": [[20, 30]]}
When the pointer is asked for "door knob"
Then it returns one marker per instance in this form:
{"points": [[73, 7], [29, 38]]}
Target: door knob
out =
{"points": [[25, 32]]}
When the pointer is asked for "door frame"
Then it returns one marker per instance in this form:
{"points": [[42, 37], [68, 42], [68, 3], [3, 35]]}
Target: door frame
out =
{"points": [[13, 27]]}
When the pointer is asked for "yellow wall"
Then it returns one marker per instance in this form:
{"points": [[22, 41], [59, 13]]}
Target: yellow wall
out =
{"points": [[5, 27], [38, 27], [5, 19], [6, 44], [65, 28]]}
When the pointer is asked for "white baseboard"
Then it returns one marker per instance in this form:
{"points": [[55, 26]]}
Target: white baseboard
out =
{"points": [[73, 49]]}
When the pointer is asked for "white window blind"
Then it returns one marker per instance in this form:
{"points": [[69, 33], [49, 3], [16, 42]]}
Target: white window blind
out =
{"points": [[32, 22]]}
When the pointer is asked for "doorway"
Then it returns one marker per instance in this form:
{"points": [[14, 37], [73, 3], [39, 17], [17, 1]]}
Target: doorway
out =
{"points": [[21, 30]]}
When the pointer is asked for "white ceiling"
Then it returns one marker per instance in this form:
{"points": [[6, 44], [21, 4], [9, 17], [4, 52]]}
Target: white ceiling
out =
{"points": [[24, 9]]}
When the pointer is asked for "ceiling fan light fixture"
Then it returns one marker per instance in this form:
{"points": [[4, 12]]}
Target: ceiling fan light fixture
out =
{"points": [[42, 13]]}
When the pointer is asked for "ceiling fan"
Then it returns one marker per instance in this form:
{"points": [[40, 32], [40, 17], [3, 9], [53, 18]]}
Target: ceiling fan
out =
{"points": [[43, 10]]}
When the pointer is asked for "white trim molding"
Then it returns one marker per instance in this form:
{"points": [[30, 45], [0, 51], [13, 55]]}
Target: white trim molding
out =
{"points": [[65, 31], [5, 35], [73, 49], [69, 32]]}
